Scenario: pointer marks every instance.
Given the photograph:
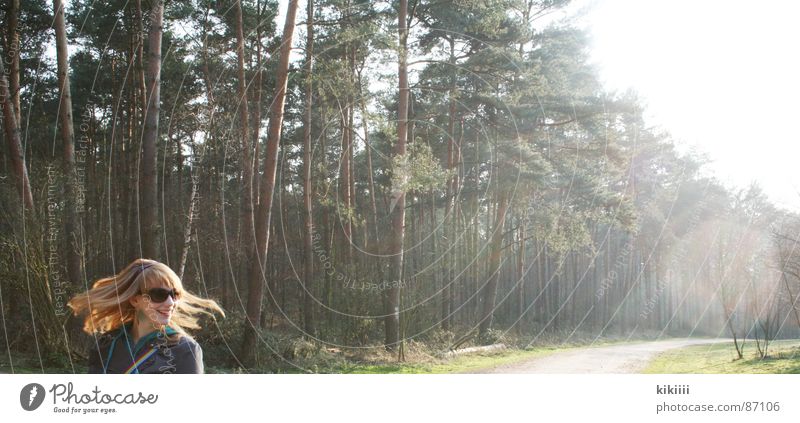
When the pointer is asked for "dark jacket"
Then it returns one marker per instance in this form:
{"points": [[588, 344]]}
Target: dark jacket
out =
{"points": [[156, 352]]}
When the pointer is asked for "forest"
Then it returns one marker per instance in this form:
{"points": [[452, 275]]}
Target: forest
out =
{"points": [[391, 177]]}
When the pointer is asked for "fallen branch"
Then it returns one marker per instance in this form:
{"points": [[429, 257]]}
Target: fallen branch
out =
{"points": [[469, 335], [470, 350]]}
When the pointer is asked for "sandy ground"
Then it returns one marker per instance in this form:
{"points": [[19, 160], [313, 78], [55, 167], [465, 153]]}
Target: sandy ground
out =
{"points": [[626, 358]]}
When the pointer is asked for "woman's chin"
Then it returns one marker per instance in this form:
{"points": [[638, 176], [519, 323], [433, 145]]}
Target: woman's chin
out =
{"points": [[160, 319]]}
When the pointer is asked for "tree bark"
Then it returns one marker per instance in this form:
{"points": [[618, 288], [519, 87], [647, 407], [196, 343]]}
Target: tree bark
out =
{"points": [[255, 124], [370, 173], [13, 51], [68, 138], [15, 152], [247, 223], [490, 290], [392, 319], [447, 226], [139, 47], [257, 267], [520, 306], [344, 179], [308, 274], [148, 185], [193, 200]]}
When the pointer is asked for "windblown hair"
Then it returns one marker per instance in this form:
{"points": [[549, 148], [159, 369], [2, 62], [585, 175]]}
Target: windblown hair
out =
{"points": [[108, 305]]}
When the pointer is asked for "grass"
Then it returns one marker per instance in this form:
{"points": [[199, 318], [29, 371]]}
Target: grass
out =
{"points": [[472, 363], [420, 359], [31, 365], [378, 363], [784, 357], [464, 364]]}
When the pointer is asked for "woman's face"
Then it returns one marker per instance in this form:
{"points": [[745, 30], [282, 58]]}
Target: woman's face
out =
{"points": [[157, 303]]}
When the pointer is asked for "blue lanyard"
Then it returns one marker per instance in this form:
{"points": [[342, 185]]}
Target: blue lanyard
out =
{"points": [[124, 331]]}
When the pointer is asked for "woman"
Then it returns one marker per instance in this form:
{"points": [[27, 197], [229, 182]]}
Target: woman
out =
{"points": [[141, 315]]}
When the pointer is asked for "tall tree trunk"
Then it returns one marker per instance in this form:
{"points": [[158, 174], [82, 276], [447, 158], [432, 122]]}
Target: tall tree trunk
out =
{"points": [[308, 274], [257, 268], [193, 200], [353, 206], [13, 52], [148, 185], [490, 289], [344, 183], [68, 138], [208, 180], [370, 173], [247, 224], [397, 210], [127, 144], [521, 272], [347, 147], [447, 225], [256, 121], [206, 72], [15, 152], [139, 48]]}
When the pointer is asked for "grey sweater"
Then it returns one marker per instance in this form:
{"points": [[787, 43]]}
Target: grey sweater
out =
{"points": [[156, 352]]}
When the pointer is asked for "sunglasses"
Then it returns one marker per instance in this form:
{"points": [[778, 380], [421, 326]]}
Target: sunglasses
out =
{"points": [[159, 295]]}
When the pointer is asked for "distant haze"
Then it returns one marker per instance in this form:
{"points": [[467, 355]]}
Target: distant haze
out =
{"points": [[721, 76]]}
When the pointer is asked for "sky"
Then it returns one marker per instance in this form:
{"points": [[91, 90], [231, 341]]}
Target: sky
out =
{"points": [[723, 77]]}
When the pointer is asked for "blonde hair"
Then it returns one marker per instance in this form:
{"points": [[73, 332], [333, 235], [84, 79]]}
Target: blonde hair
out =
{"points": [[108, 305]]}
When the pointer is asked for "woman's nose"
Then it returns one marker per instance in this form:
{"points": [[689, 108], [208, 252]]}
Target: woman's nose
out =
{"points": [[169, 300]]}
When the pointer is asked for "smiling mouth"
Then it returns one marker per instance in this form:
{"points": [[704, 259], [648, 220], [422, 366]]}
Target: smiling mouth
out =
{"points": [[165, 313]]}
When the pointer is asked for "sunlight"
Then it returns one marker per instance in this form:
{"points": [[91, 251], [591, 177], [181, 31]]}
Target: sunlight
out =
{"points": [[720, 76]]}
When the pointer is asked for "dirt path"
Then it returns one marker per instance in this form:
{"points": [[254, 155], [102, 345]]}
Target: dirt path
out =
{"points": [[626, 358]]}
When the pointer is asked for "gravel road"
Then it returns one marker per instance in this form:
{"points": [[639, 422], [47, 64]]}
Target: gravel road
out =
{"points": [[624, 358]]}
